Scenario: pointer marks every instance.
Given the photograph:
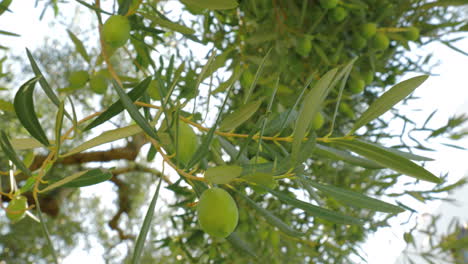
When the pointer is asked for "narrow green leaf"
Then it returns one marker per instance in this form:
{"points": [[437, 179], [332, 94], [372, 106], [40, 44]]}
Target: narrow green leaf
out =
{"points": [[106, 137], [2, 32], [388, 100], [213, 4], [92, 7], [315, 210], [28, 185], [204, 147], [218, 62], [240, 244], [79, 46], [257, 76], [24, 108], [43, 82], [270, 218], [231, 150], [337, 154], [44, 230], [25, 143], [282, 120], [387, 159], [238, 117], [355, 198], [404, 154], [146, 226], [222, 174], [11, 154], [133, 111], [91, 177], [58, 126], [4, 5], [310, 106], [124, 5], [169, 24], [118, 107], [81, 179]]}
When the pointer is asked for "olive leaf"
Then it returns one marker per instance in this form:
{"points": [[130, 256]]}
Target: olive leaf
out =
{"points": [[387, 159], [387, 100], [79, 46], [212, 4], [24, 108], [239, 116], [222, 174]]}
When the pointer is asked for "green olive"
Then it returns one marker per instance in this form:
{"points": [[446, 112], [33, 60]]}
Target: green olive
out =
{"points": [[98, 84], [17, 208], [356, 85], [328, 4], [116, 31], [359, 42], [217, 212], [381, 41], [338, 14], [304, 46], [368, 30], [318, 121], [412, 33], [78, 79], [367, 76]]}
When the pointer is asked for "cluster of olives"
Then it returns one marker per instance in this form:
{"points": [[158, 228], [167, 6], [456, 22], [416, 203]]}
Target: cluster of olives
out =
{"points": [[97, 82]]}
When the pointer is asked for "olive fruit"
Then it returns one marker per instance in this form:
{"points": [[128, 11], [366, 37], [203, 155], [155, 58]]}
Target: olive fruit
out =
{"points": [[17, 208], [356, 85], [153, 90], [412, 33], [187, 140], [381, 41], [328, 4], [116, 31], [217, 212], [368, 30], [367, 76], [304, 46], [338, 14], [347, 110], [78, 79], [318, 121], [98, 84], [359, 42]]}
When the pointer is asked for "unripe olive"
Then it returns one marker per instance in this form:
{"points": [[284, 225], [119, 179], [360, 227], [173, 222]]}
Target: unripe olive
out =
{"points": [[153, 90], [318, 121], [328, 4], [359, 42], [217, 212], [116, 31], [356, 85], [98, 84], [17, 208], [367, 76], [78, 79], [412, 33], [381, 41], [338, 14], [304, 46], [368, 30], [187, 142], [347, 110]]}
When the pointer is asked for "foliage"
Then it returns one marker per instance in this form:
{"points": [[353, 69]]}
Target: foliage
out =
{"points": [[284, 112]]}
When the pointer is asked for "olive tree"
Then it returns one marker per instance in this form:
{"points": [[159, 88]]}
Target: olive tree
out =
{"points": [[274, 143]]}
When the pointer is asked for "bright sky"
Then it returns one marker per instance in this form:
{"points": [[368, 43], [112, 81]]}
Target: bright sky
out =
{"points": [[447, 92]]}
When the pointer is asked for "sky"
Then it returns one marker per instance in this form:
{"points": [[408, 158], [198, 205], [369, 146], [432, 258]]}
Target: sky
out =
{"points": [[447, 92]]}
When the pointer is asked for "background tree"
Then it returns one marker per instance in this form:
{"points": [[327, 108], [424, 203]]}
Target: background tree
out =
{"points": [[275, 100]]}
